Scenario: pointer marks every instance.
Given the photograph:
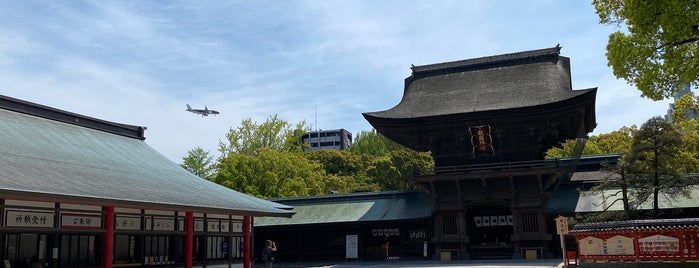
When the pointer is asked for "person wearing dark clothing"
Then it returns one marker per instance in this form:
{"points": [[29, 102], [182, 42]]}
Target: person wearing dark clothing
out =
{"points": [[268, 253]]}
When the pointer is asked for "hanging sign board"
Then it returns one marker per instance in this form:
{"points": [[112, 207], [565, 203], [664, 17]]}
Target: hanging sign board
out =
{"points": [[561, 225]]}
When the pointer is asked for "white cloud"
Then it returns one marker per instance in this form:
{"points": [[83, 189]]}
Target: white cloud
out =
{"points": [[141, 62]]}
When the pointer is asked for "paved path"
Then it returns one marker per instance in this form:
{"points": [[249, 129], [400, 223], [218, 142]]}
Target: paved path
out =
{"points": [[427, 264], [420, 264]]}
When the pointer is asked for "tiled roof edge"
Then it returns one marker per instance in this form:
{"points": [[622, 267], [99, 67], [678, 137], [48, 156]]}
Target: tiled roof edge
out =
{"points": [[554, 51], [38, 110]]}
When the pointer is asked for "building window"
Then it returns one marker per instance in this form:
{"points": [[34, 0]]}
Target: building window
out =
{"points": [[218, 247], [79, 250], [530, 222], [449, 225], [157, 249], [125, 249]]}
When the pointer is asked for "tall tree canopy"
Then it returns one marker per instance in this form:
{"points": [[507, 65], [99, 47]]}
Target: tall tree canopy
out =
{"points": [[615, 142], [373, 143], [659, 49], [653, 165], [272, 174], [274, 133], [200, 163]]}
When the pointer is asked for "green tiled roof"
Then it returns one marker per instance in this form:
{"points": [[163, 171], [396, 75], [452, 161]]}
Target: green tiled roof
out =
{"points": [[61, 161], [570, 201], [365, 207]]}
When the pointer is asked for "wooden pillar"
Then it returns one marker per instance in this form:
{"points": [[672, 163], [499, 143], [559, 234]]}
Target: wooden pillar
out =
{"points": [[108, 237], [247, 220], [189, 239]]}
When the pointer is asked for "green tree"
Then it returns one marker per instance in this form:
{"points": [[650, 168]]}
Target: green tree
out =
{"points": [[274, 133], [347, 171], [385, 174], [267, 173], [391, 165], [373, 143], [200, 163], [618, 141], [652, 166], [689, 127], [568, 147], [615, 142], [659, 49], [410, 163]]}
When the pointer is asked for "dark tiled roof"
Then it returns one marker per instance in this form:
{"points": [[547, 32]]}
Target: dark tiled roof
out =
{"points": [[50, 160], [362, 207], [637, 225], [524, 79]]}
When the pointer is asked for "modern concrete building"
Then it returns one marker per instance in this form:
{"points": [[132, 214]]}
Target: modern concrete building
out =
{"points": [[337, 139]]}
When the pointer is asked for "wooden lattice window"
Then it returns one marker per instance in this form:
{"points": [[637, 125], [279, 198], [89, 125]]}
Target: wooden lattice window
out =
{"points": [[449, 226], [530, 222]]}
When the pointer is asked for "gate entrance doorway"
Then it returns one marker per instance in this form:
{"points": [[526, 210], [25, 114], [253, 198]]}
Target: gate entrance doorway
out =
{"points": [[490, 231]]}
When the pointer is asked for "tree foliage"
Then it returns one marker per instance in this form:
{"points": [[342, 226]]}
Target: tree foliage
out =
{"points": [[348, 170], [267, 160], [653, 167], [373, 143], [272, 174], [658, 50], [615, 142], [200, 163], [274, 133]]}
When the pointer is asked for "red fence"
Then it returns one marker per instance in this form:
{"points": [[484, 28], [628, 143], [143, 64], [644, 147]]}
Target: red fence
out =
{"points": [[675, 239]]}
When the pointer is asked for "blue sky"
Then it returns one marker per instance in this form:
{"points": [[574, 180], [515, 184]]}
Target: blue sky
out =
{"points": [[140, 62]]}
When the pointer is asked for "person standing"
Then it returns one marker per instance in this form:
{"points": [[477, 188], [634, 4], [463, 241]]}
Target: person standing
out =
{"points": [[268, 253]]}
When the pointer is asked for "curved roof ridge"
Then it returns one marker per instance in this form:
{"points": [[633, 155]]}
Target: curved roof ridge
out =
{"points": [[554, 51]]}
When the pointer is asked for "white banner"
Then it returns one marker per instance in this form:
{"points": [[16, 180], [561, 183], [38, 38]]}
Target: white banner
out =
{"points": [[351, 246]]}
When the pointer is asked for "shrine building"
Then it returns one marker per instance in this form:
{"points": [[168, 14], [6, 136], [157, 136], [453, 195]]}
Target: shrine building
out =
{"points": [[488, 123], [77, 191]]}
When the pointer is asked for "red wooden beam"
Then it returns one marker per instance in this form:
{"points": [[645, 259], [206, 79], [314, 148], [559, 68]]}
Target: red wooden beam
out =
{"points": [[247, 220], [108, 237], [189, 240]]}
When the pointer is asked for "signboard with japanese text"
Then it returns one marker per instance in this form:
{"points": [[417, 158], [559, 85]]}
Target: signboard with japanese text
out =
{"points": [[237, 227], [213, 225], [163, 224], [385, 232], [659, 245], [591, 246], [81, 221], [620, 245], [225, 226], [561, 225], [198, 225], [26, 218], [127, 222]]}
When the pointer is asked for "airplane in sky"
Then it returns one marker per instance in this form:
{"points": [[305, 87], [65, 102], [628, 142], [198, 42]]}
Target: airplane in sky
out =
{"points": [[204, 112]]}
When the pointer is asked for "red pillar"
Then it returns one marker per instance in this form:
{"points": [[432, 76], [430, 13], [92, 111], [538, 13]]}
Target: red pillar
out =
{"points": [[108, 239], [189, 239], [246, 241]]}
